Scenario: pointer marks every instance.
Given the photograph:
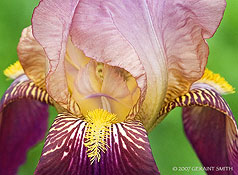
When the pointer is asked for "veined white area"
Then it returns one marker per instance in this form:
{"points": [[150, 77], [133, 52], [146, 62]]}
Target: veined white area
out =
{"points": [[115, 133], [57, 147], [69, 127], [121, 130], [123, 144]]}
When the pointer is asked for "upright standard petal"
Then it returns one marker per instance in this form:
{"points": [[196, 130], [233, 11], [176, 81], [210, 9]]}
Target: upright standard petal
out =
{"points": [[51, 23], [32, 57], [166, 36], [209, 124], [23, 122], [65, 153], [164, 39]]}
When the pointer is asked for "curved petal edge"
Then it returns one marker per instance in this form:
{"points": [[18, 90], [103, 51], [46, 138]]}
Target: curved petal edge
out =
{"points": [[23, 122], [64, 152], [211, 128]]}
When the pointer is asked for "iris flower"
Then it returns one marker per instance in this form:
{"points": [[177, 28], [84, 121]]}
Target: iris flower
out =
{"points": [[113, 70]]}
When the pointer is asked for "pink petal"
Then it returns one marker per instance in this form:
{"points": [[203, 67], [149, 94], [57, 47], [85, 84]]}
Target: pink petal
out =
{"points": [[163, 38], [51, 23], [167, 37], [186, 24]]}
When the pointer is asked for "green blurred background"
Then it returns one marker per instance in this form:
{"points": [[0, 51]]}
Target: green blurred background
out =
{"points": [[169, 145]]}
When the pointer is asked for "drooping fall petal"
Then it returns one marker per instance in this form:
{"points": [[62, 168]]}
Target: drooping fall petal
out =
{"points": [[211, 128], [164, 39], [214, 138], [23, 122], [64, 152]]}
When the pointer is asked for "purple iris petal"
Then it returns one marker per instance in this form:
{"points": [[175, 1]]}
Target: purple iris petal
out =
{"points": [[64, 153], [23, 123]]}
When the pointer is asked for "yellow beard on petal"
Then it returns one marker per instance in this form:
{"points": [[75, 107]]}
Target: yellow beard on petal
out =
{"points": [[97, 132], [215, 81], [14, 70]]}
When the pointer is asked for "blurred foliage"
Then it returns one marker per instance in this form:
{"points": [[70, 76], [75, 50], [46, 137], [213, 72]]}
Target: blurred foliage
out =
{"points": [[170, 146]]}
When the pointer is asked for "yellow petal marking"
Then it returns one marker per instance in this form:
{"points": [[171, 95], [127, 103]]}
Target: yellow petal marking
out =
{"points": [[98, 131], [14, 70], [216, 81]]}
